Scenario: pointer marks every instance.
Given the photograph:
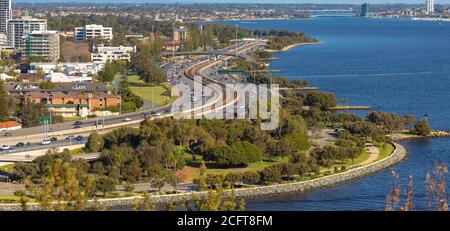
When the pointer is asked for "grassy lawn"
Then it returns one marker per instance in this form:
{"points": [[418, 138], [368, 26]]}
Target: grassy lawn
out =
{"points": [[7, 168], [348, 162], [385, 150], [9, 198], [154, 94], [212, 169], [135, 79], [75, 118], [13, 199], [77, 151]]}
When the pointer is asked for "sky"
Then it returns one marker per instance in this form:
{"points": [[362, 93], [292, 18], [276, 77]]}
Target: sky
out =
{"points": [[245, 1]]}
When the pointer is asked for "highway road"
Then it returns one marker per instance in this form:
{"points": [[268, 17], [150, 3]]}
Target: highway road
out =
{"points": [[32, 146]]}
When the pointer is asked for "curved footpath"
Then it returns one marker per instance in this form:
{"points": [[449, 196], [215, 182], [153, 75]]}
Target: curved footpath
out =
{"points": [[397, 155]]}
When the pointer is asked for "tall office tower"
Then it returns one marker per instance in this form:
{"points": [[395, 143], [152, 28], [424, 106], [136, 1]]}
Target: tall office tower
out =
{"points": [[364, 10], [5, 15], [19, 29], [430, 6]]}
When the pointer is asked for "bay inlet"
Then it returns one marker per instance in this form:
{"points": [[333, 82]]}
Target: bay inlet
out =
{"points": [[395, 65]]}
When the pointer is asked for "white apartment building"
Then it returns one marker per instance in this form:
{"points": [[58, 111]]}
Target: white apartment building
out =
{"points": [[5, 15], [88, 68], [56, 77], [18, 30], [3, 40], [91, 31], [43, 43], [104, 54], [430, 6]]}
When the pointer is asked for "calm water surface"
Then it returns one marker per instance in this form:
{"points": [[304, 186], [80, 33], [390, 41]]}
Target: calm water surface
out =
{"points": [[394, 65]]}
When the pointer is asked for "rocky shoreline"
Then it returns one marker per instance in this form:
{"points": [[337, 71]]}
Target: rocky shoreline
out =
{"points": [[433, 134], [397, 155], [291, 46]]}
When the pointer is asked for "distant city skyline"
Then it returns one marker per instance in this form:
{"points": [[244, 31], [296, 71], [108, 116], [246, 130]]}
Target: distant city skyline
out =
{"points": [[240, 1]]}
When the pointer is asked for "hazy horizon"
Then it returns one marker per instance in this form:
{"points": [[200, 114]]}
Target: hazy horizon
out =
{"points": [[240, 1]]}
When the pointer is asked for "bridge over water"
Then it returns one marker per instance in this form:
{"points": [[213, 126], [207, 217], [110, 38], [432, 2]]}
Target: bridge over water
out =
{"points": [[331, 13]]}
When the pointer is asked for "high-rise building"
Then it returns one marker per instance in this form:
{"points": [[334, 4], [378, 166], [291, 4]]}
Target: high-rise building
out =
{"points": [[91, 31], [180, 34], [5, 15], [364, 10], [19, 29], [43, 43], [430, 6]]}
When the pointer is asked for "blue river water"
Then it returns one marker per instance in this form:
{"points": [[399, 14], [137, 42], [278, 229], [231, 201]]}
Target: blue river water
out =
{"points": [[395, 65]]}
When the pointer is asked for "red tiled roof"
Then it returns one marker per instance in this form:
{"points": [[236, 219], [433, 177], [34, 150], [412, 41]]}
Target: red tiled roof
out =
{"points": [[70, 95], [10, 124]]}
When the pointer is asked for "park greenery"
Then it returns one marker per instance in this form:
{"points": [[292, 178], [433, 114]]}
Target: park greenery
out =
{"points": [[279, 39], [159, 149]]}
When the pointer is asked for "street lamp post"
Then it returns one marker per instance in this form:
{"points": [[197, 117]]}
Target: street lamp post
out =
{"points": [[236, 39], [120, 102], [173, 41]]}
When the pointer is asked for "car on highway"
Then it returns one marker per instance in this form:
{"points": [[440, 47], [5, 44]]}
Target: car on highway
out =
{"points": [[46, 142], [53, 139], [20, 145], [79, 139], [78, 123], [7, 134], [158, 114], [77, 126], [127, 119], [71, 137], [99, 122], [5, 148]]}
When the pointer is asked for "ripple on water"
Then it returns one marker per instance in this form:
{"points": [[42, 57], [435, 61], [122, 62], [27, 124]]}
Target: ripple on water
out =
{"points": [[384, 63]]}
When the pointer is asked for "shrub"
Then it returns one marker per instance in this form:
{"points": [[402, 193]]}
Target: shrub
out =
{"points": [[250, 177], [271, 174]]}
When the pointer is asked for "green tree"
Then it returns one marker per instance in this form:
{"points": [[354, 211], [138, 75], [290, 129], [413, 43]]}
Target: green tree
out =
{"points": [[23, 170], [130, 100], [421, 128], [30, 113], [250, 177], [46, 85], [144, 203], [216, 200], [271, 174], [322, 100], [389, 121], [105, 184], [4, 112], [238, 154], [408, 122], [158, 180], [60, 189], [144, 62], [110, 70], [202, 178]]}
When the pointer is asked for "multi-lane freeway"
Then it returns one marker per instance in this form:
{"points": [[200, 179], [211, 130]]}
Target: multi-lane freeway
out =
{"points": [[184, 72]]}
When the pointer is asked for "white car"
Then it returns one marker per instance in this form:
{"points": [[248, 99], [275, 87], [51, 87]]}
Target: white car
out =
{"points": [[127, 119], [46, 142], [5, 148]]}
